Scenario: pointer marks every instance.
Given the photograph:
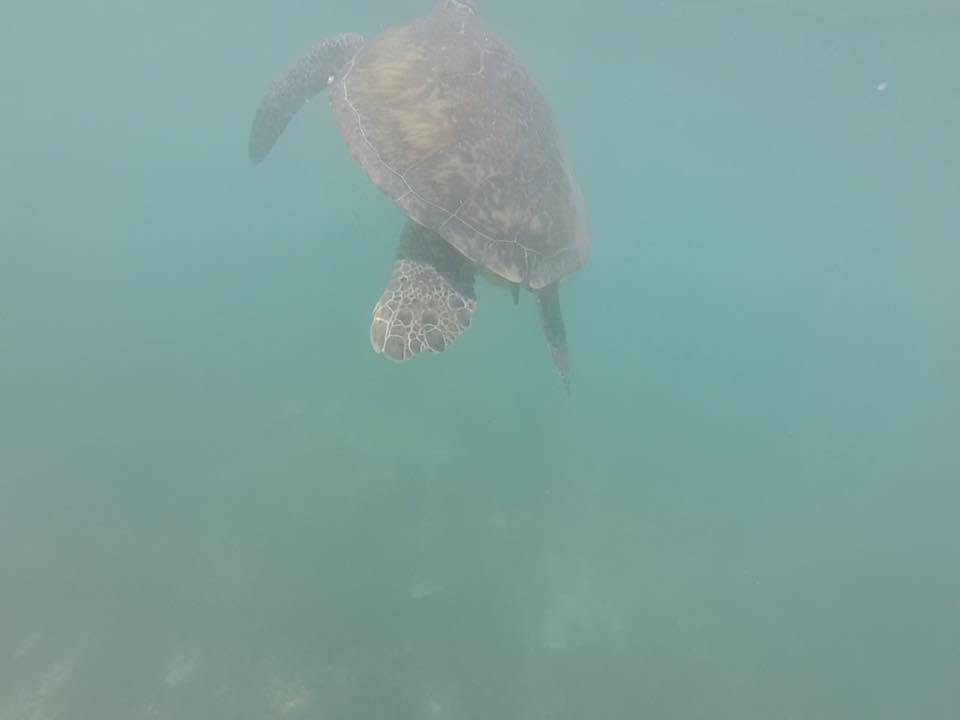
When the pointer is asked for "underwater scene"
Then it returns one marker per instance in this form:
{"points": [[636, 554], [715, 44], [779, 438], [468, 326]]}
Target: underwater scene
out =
{"points": [[480, 360]]}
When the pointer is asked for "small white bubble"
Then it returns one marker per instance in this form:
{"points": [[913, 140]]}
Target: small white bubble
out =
{"points": [[882, 87], [329, 79]]}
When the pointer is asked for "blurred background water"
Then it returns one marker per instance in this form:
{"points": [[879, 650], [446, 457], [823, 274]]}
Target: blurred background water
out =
{"points": [[217, 502]]}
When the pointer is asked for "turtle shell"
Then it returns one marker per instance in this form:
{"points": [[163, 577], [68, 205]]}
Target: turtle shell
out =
{"points": [[446, 120]]}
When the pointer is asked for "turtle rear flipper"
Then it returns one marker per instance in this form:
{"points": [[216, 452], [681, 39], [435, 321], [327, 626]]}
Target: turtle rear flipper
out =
{"points": [[307, 77], [548, 301], [429, 300]]}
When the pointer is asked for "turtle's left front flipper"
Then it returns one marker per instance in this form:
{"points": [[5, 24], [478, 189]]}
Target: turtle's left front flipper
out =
{"points": [[429, 300], [548, 301], [307, 77]]}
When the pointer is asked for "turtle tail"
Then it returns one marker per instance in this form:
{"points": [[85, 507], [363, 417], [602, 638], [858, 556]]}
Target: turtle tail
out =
{"points": [[305, 78]]}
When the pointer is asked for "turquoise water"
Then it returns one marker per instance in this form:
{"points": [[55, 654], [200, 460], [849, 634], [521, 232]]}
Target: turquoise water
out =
{"points": [[217, 502]]}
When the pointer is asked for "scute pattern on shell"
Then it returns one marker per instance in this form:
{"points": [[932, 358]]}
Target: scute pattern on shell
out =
{"points": [[445, 118]]}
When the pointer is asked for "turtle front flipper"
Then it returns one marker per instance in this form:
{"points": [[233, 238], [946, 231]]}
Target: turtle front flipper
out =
{"points": [[548, 300], [429, 300], [307, 77]]}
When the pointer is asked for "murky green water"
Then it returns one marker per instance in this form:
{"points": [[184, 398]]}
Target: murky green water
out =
{"points": [[217, 502]]}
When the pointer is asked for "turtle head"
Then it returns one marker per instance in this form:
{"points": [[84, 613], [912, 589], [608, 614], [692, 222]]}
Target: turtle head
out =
{"points": [[468, 7]]}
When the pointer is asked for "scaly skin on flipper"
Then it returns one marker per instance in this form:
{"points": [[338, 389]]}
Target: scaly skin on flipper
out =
{"points": [[429, 300], [306, 78]]}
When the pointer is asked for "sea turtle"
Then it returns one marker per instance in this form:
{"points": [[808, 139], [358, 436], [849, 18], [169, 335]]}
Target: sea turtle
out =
{"points": [[445, 119]]}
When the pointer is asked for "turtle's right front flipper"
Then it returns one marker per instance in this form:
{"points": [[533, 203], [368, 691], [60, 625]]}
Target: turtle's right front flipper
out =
{"points": [[305, 78]]}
